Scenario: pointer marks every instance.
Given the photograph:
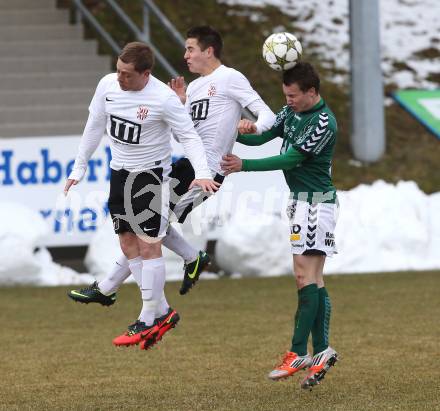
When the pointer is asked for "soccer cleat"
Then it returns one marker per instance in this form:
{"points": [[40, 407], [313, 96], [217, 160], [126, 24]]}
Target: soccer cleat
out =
{"points": [[165, 323], [193, 271], [92, 294], [136, 333], [321, 363], [291, 364]]}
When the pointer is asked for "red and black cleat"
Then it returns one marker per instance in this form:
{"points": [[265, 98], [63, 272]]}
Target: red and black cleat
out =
{"points": [[164, 324]]}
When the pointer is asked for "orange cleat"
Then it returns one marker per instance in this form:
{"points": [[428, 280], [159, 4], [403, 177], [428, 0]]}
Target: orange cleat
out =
{"points": [[291, 364], [136, 333], [321, 363], [164, 323]]}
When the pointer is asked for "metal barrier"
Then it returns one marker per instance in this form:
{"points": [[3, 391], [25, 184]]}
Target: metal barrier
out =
{"points": [[90, 18], [166, 24], [139, 35]]}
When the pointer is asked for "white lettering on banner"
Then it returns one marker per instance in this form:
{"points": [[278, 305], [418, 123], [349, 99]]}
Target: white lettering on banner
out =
{"points": [[432, 105]]}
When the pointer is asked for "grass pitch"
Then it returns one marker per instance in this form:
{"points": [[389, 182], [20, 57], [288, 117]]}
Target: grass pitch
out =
{"points": [[57, 355]]}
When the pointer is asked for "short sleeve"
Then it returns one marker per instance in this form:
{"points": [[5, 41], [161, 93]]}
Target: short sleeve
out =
{"points": [[241, 90]]}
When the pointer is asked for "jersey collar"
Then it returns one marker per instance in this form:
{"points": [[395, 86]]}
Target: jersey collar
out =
{"points": [[318, 106]]}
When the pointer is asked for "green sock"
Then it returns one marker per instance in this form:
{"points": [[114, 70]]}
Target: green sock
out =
{"points": [[321, 325], [304, 317]]}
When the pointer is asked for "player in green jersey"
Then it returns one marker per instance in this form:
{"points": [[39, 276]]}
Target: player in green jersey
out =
{"points": [[308, 129]]}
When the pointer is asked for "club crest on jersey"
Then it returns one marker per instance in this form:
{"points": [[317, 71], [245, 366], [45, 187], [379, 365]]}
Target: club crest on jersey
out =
{"points": [[142, 112], [212, 90]]}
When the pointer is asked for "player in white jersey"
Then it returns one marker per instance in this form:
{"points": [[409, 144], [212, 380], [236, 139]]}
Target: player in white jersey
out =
{"points": [[138, 112], [215, 101]]}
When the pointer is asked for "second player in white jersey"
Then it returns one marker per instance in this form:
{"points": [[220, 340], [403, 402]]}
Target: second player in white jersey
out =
{"points": [[215, 102]]}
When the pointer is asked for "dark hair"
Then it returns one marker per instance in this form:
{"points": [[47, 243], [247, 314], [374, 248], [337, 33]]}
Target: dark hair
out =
{"points": [[207, 37], [139, 54], [303, 74]]}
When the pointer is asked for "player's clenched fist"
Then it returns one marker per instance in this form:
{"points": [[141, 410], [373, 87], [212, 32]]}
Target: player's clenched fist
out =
{"points": [[247, 127]]}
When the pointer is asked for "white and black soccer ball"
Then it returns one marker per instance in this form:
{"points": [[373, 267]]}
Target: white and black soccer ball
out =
{"points": [[281, 51]]}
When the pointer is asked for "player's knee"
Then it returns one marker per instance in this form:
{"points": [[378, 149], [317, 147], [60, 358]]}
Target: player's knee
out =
{"points": [[128, 245], [301, 280], [149, 250]]}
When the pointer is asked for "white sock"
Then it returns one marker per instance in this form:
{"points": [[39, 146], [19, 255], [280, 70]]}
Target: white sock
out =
{"points": [[117, 276], [175, 242], [159, 289], [150, 298], [135, 266], [162, 306]]}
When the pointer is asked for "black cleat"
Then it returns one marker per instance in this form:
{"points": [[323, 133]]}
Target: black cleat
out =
{"points": [[91, 294], [193, 271]]}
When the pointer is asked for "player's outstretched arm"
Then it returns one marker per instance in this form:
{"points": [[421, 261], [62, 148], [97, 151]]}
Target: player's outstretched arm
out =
{"points": [[178, 86], [290, 159], [255, 139], [231, 164], [92, 135]]}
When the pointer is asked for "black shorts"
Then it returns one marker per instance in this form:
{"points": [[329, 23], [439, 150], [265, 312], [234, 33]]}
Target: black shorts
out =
{"points": [[181, 203], [138, 202]]}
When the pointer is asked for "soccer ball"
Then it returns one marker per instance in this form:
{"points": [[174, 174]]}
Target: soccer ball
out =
{"points": [[281, 51]]}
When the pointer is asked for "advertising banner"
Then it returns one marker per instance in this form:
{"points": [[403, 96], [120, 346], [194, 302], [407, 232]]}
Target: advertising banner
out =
{"points": [[422, 104], [33, 172]]}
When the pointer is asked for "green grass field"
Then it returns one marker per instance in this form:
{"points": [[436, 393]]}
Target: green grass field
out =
{"points": [[57, 355]]}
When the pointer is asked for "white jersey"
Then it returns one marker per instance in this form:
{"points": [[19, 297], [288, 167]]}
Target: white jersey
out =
{"points": [[215, 102], [138, 124]]}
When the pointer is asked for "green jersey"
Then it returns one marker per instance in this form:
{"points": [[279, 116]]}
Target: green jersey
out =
{"points": [[306, 153]]}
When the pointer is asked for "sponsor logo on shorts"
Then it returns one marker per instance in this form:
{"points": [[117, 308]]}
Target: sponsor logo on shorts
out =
{"points": [[329, 239], [296, 229]]}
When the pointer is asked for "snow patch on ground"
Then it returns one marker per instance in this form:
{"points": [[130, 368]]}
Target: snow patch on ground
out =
{"points": [[21, 261], [407, 27], [381, 227]]}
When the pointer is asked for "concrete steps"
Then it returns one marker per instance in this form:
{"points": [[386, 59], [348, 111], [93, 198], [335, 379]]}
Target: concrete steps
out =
{"points": [[51, 80], [42, 64], [35, 17], [40, 32], [52, 48], [48, 72], [43, 114], [52, 128], [45, 97], [27, 4]]}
